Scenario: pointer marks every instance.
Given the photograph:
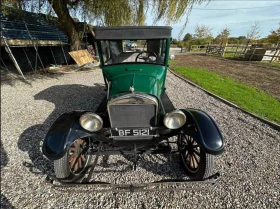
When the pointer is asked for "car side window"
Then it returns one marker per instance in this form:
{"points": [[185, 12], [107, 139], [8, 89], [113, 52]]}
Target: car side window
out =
{"points": [[116, 47], [162, 49], [106, 54]]}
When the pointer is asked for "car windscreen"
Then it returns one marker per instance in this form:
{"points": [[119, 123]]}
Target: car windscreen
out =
{"points": [[133, 51]]}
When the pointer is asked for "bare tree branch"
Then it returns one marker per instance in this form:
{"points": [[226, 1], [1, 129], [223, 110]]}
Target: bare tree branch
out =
{"points": [[254, 33]]}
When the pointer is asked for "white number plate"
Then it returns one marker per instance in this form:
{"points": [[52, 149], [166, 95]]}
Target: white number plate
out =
{"points": [[133, 132]]}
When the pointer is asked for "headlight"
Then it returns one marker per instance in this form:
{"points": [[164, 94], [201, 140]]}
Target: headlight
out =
{"points": [[91, 122], [175, 119]]}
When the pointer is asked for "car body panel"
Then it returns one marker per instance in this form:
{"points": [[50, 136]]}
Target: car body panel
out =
{"points": [[65, 130], [146, 78], [205, 130]]}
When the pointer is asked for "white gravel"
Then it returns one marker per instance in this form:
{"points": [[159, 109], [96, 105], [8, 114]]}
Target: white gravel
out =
{"points": [[249, 166]]}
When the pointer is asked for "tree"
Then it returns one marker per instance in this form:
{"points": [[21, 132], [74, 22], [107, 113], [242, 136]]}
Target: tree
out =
{"points": [[224, 35], [274, 36], [233, 40], [262, 40], [108, 12], [242, 39], [183, 44], [202, 31], [200, 41], [174, 41], [187, 37], [217, 40], [254, 33]]}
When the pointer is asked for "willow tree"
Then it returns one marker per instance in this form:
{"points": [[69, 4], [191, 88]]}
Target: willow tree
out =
{"points": [[109, 12]]}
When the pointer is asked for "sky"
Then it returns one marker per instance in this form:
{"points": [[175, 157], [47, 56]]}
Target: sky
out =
{"points": [[238, 21], [215, 15]]}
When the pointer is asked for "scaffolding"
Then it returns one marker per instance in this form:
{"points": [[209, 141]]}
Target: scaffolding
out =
{"points": [[30, 41]]}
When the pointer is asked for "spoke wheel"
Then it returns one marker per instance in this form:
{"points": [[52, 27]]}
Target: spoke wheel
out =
{"points": [[191, 153], [77, 156], [73, 165], [196, 162]]}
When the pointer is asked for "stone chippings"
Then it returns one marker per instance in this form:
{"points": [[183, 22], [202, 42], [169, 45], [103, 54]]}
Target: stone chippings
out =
{"points": [[249, 166]]}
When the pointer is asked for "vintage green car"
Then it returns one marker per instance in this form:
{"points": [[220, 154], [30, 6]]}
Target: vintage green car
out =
{"points": [[136, 116]]}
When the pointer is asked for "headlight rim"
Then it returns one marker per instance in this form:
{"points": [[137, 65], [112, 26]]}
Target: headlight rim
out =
{"points": [[94, 115], [169, 114]]}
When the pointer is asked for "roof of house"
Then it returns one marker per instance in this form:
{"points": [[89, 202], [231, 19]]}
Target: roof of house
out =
{"points": [[22, 25]]}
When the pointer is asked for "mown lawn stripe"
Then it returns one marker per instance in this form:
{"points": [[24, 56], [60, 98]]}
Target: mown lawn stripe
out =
{"points": [[247, 97]]}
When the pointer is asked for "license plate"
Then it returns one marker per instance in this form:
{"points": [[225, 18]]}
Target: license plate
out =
{"points": [[133, 132]]}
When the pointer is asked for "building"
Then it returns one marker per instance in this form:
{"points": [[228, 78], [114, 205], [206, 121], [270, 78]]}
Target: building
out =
{"points": [[29, 42]]}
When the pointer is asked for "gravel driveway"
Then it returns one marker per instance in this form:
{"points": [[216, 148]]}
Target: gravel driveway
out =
{"points": [[249, 167]]}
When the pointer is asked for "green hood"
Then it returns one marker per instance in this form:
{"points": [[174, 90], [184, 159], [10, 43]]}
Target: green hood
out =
{"points": [[123, 83], [143, 78]]}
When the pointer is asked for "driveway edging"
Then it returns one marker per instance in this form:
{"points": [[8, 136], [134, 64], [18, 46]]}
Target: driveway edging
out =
{"points": [[272, 124]]}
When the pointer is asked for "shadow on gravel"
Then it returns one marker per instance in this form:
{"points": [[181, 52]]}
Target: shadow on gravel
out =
{"points": [[163, 165], [67, 98], [4, 156], [8, 78], [5, 203]]}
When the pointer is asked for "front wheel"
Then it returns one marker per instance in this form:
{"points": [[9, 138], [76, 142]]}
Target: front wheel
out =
{"points": [[72, 166], [196, 162]]}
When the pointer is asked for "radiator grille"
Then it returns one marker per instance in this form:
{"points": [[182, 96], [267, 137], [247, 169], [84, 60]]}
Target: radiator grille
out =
{"points": [[132, 115]]}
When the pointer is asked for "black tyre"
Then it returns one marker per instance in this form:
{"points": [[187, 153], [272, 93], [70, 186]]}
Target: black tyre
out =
{"points": [[73, 165], [196, 162]]}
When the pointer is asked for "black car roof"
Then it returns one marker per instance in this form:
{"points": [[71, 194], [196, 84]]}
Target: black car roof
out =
{"points": [[132, 32]]}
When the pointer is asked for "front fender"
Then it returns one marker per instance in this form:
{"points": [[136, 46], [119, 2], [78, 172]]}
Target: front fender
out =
{"points": [[205, 130], [65, 130]]}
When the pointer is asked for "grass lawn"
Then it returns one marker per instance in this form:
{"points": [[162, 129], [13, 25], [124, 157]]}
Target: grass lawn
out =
{"points": [[229, 55], [198, 50], [275, 64], [248, 98]]}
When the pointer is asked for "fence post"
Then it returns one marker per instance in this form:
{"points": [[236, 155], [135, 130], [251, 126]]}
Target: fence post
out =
{"points": [[207, 48], [276, 50], [224, 50], [245, 50], [253, 53], [237, 45]]}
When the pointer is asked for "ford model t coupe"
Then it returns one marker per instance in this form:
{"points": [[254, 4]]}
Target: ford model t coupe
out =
{"points": [[136, 116]]}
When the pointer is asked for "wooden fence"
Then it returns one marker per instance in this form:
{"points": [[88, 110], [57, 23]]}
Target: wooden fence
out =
{"points": [[255, 52]]}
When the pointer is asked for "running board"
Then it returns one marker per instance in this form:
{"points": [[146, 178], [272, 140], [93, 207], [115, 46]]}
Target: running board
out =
{"points": [[138, 187]]}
